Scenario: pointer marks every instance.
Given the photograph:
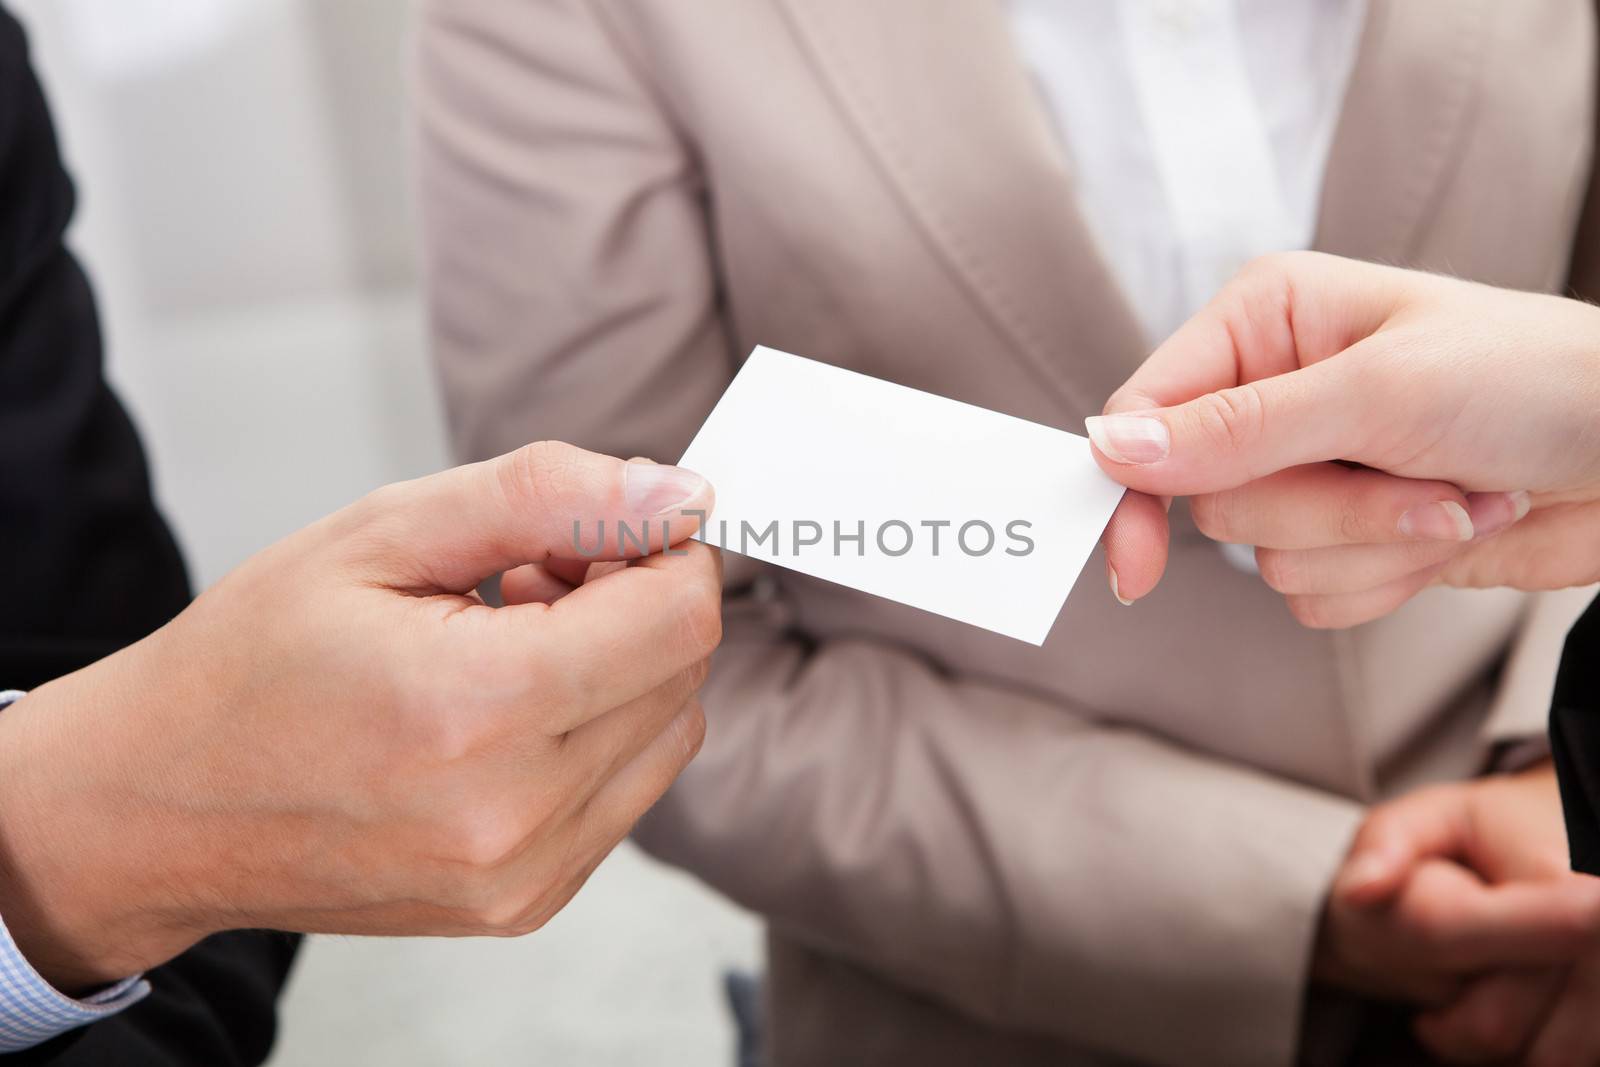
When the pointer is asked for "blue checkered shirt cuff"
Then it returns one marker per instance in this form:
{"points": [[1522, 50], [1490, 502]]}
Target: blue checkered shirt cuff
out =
{"points": [[33, 1011]]}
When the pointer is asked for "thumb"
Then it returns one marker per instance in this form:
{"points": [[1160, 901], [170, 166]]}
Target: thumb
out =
{"points": [[544, 501], [1223, 439]]}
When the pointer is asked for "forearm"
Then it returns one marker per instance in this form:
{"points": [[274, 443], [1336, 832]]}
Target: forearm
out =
{"points": [[1002, 854]]}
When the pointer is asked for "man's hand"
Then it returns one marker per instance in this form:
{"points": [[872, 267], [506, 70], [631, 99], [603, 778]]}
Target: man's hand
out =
{"points": [[1457, 409], [1456, 898], [341, 736]]}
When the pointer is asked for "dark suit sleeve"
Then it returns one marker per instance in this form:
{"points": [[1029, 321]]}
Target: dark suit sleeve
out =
{"points": [[1575, 739], [87, 564], [212, 1006]]}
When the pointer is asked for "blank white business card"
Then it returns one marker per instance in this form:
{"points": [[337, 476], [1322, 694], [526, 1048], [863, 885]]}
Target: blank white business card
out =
{"points": [[944, 506]]}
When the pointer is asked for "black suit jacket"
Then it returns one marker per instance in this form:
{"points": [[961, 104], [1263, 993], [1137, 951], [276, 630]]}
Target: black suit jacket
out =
{"points": [[1575, 739], [87, 565]]}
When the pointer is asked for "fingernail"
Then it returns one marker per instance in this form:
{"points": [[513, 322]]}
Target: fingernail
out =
{"points": [[1493, 512], [650, 490], [1135, 439], [1442, 520], [1124, 601]]}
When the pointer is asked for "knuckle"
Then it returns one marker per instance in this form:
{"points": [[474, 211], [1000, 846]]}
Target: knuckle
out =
{"points": [[1282, 571], [488, 838], [501, 914], [700, 615], [537, 471], [1351, 519], [1310, 611], [441, 731], [1271, 265], [1228, 420], [1210, 514], [378, 521], [378, 503], [494, 905]]}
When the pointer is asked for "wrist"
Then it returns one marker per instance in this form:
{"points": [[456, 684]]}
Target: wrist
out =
{"points": [[79, 892]]}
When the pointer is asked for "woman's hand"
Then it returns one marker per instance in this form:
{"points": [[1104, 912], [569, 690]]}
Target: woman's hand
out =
{"points": [[1371, 431]]}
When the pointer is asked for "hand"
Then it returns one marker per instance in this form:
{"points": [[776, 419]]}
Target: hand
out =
{"points": [[340, 736], [1457, 898], [1471, 411]]}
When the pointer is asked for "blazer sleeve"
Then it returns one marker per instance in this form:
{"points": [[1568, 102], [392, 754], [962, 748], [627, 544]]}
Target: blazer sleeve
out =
{"points": [[988, 848], [87, 565]]}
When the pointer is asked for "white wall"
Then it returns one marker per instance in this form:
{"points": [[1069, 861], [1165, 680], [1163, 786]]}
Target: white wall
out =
{"points": [[245, 216], [246, 220]]}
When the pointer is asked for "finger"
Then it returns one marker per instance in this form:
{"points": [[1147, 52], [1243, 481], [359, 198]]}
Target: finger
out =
{"points": [[614, 638], [589, 758], [1247, 386], [1495, 1018], [1494, 512], [1546, 556], [1281, 313], [1515, 924], [532, 584], [1348, 568], [1324, 504], [1136, 546], [547, 500], [1571, 1034], [1225, 439], [611, 813], [596, 752], [1428, 823], [1342, 610]]}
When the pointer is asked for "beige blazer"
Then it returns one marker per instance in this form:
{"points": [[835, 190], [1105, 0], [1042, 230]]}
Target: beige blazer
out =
{"points": [[970, 850]]}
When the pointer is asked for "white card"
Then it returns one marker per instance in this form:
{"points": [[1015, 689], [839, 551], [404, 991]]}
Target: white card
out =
{"points": [[941, 505]]}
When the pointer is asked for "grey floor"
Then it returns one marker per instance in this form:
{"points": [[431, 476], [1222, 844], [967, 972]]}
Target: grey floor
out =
{"points": [[628, 974]]}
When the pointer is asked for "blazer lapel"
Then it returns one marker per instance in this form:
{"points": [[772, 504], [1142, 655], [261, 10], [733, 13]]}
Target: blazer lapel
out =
{"points": [[1409, 103], [938, 95]]}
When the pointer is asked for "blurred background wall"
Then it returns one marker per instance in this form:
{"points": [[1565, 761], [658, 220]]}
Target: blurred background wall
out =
{"points": [[246, 216]]}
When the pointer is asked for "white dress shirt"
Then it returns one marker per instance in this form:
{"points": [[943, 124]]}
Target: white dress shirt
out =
{"points": [[1197, 130]]}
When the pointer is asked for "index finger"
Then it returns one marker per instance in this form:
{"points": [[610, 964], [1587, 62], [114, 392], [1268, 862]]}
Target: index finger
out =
{"points": [[1257, 327], [619, 636], [1281, 313]]}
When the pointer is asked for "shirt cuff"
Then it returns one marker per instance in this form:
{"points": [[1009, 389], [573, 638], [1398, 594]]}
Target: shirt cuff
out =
{"points": [[33, 1011]]}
